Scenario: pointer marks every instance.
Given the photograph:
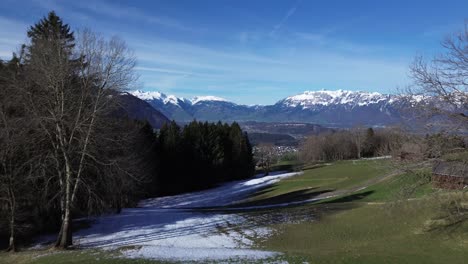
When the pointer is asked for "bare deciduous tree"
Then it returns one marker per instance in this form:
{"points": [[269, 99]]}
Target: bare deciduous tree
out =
{"points": [[441, 85], [358, 135], [266, 156], [439, 98], [70, 89]]}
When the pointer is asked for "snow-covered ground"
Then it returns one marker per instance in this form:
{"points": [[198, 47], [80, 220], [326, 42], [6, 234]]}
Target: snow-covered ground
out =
{"points": [[171, 228]]}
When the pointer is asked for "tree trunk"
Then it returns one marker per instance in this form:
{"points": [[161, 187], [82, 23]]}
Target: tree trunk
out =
{"points": [[64, 239], [267, 169], [57, 242], [11, 194], [12, 244], [65, 236], [119, 206]]}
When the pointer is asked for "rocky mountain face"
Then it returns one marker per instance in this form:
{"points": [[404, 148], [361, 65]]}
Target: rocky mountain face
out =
{"points": [[329, 108]]}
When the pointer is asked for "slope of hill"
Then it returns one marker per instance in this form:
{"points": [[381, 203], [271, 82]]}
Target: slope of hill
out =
{"points": [[138, 109]]}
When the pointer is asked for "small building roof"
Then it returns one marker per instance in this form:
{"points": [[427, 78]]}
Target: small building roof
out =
{"points": [[452, 168]]}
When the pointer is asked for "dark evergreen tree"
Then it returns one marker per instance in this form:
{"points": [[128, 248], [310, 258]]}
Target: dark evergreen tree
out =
{"points": [[370, 145], [202, 155], [50, 29]]}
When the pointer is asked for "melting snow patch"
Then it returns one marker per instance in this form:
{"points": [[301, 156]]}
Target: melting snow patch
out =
{"points": [[374, 158], [171, 228], [197, 254], [267, 180]]}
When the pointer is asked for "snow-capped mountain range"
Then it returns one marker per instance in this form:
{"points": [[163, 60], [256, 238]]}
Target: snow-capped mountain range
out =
{"points": [[339, 97], [172, 99], [337, 108]]}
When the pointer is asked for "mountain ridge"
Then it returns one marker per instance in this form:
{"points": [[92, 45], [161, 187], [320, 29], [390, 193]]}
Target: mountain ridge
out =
{"points": [[326, 107]]}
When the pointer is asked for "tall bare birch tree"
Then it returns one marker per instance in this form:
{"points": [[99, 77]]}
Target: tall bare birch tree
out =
{"points": [[70, 87]]}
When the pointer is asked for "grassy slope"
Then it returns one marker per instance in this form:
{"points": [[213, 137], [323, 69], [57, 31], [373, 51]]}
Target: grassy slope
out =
{"points": [[368, 232], [389, 190], [319, 180]]}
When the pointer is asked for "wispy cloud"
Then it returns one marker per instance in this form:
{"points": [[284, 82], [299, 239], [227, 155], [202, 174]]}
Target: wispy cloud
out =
{"points": [[442, 30], [161, 50], [246, 37], [313, 37], [288, 14], [127, 12], [163, 70], [242, 63], [169, 65], [165, 83], [81, 9], [340, 45]]}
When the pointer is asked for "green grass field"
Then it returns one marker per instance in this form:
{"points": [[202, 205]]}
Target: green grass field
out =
{"points": [[373, 225], [320, 179], [403, 186], [370, 234]]}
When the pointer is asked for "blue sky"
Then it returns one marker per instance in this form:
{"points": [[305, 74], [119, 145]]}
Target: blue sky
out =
{"points": [[256, 51]]}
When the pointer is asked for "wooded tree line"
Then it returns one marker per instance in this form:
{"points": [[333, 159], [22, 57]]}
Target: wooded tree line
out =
{"points": [[64, 152], [200, 155], [349, 144], [358, 142]]}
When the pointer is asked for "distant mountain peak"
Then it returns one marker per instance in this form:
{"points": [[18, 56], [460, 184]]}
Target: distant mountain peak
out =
{"points": [[148, 95], [333, 97], [154, 95], [172, 99], [198, 99]]}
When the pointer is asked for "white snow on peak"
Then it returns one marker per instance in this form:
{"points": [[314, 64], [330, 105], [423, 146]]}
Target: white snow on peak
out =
{"points": [[172, 99], [198, 99], [147, 95], [337, 97], [153, 95]]}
